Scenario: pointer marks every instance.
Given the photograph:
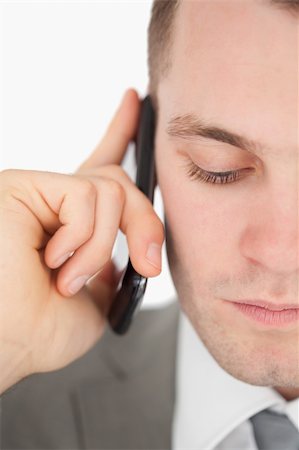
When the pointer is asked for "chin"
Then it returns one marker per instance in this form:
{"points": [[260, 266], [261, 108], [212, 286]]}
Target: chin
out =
{"points": [[247, 356]]}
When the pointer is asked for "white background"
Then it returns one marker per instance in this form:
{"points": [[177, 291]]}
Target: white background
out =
{"points": [[64, 68]]}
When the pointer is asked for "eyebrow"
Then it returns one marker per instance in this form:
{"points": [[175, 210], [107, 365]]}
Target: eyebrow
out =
{"points": [[190, 127]]}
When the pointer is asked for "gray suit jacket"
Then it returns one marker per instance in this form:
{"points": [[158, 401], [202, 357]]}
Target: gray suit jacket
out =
{"points": [[119, 395]]}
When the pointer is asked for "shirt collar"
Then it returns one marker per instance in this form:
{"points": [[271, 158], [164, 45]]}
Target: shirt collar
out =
{"points": [[210, 403]]}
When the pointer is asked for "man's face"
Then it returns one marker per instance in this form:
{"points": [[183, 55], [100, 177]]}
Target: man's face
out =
{"points": [[235, 66]]}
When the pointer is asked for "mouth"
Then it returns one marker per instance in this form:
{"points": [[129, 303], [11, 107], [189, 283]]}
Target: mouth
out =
{"points": [[268, 313]]}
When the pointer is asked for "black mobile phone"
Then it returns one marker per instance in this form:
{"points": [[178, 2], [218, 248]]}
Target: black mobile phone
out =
{"points": [[129, 296]]}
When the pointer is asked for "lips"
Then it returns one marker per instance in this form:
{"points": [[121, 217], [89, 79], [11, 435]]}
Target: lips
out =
{"points": [[269, 314], [269, 305]]}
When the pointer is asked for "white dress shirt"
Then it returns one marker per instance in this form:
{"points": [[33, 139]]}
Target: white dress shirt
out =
{"points": [[212, 408]]}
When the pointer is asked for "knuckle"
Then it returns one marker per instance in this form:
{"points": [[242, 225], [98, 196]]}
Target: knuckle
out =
{"points": [[88, 189], [115, 189], [85, 230], [156, 221]]}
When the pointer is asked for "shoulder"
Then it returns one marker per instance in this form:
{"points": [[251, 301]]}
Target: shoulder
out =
{"points": [[152, 333]]}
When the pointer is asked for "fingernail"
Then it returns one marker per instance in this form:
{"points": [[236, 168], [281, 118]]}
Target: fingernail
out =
{"points": [[62, 259], [153, 255], [77, 283]]}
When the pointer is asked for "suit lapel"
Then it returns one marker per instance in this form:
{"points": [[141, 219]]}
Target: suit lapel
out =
{"points": [[130, 406]]}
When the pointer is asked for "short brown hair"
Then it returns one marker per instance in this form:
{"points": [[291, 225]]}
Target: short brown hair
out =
{"points": [[160, 38]]}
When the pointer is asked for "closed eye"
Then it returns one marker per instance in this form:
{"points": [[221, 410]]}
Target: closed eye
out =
{"points": [[197, 173]]}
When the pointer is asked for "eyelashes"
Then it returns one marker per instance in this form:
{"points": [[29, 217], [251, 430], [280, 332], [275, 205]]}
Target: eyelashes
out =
{"points": [[197, 173]]}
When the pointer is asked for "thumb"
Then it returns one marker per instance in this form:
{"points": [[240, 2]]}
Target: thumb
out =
{"points": [[121, 130]]}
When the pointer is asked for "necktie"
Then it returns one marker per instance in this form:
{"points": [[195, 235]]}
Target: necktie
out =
{"points": [[274, 431]]}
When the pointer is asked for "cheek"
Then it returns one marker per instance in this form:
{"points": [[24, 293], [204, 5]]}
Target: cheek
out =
{"points": [[206, 223]]}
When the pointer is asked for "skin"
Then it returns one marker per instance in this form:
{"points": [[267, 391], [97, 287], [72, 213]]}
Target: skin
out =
{"points": [[235, 64], [50, 226], [243, 243]]}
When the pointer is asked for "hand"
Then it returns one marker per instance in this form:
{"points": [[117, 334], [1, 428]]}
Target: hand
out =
{"points": [[56, 232]]}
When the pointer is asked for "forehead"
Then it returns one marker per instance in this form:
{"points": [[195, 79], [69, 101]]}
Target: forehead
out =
{"points": [[236, 62]]}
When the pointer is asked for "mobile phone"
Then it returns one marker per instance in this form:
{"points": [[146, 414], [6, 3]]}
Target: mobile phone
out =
{"points": [[129, 296]]}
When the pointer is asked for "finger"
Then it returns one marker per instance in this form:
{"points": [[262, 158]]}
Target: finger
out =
{"points": [[121, 130], [97, 251], [73, 201], [142, 226], [119, 204]]}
